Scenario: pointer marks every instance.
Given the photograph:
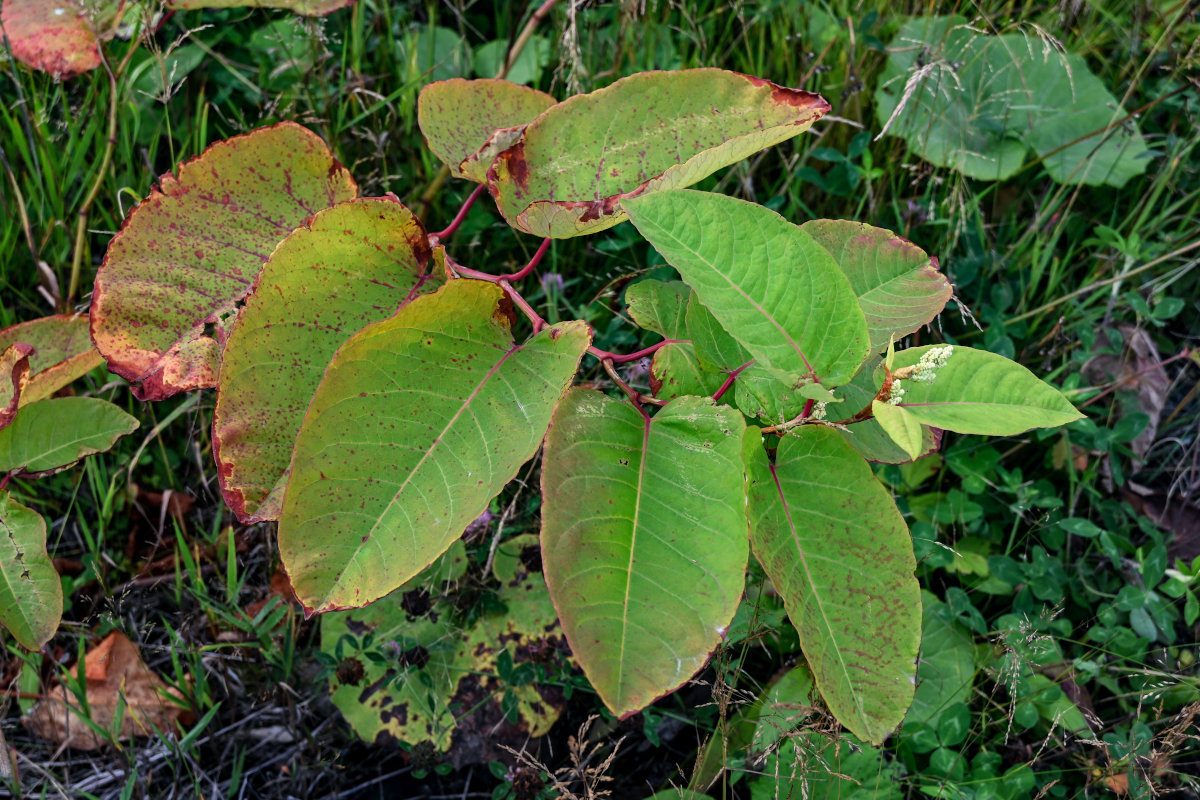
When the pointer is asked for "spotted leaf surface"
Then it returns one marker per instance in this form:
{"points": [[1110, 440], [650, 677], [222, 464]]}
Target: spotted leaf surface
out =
{"points": [[53, 36], [191, 251], [836, 549], [31, 598], [772, 288], [62, 351], [419, 422], [53, 434], [898, 284], [349, 266], [571, 168], [643, 539], [466, 123], [311, 8]]}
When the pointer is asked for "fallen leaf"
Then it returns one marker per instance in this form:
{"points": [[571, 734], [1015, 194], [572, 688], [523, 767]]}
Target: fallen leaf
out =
{"points": [[143, 698]]}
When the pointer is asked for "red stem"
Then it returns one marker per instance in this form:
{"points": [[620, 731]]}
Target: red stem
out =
{"points": [[617, 358], [633, 396], [4, 481], [511, 276], [462, 214], [519, 302], [729, 381]]}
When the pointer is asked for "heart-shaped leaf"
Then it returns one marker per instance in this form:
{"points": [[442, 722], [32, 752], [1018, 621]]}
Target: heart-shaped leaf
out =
{"points": [[311, 8], [643, 539], [571, 168], [835, 547], [191, 251], [466, 123], [53, 434], [979, 392], [977, 103], [349, 266], [768, 283], [55, 36], [898, 284], [419, 422], [62, 351], [31, 598]]}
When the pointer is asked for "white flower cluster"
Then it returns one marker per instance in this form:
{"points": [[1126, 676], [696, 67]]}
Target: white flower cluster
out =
{"points": [[934, 359], [897, 393], [818, 411]]}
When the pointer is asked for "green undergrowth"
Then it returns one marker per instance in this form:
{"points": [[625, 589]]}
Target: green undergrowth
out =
{"points": [[1059, 574]]}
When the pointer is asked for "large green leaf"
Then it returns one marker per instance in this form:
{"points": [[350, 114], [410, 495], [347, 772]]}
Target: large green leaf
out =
{"points": [[50, 435], [419, 422], [980, 392], [349, 266], [834, 545], [31, 598], [190, 252], [62, 351], [947, 666], [466, 123], [977, 103], [676, 372], [898, 284], [573, 166], [810, 765], [643, 539], [312, 8], [767, 282]]}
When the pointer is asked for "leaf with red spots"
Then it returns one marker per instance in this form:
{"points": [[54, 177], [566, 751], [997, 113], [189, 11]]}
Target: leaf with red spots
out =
{"points": [[62, 351], [466, 123], [568, 172], [419, 421], [55, 36], [835, 547], [898, 284], [311, 8], [351, 265], [191, 251], [31, 597], [643, 539]]}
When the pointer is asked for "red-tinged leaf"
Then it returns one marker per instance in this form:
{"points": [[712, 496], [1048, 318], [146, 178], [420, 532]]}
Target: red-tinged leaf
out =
{"points": [[351, 265], [898, 284], [310, 8], [466, 123], [14, 376], [62, 351], [191, 251], [54, 36], [572, 166]]}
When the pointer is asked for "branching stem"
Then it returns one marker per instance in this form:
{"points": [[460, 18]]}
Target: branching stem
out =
{"points": [[617, 358], [459, 217], [729, 380]]}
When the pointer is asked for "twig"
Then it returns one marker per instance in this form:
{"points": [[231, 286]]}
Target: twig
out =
{"points": [[729, 380], [462, 215]]}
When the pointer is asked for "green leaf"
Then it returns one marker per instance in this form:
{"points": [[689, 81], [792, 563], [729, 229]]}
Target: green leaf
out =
{"points": [[191, 251], [898, 284], [874, 444], [981, 392], [660, 306], [62, 351], [31, 598], [977, 103], [349, 266], [675, 372], [432, 675], [643, 539], [716, 349], [901, 427], [946, 670], [810, 765], [50, 435], [835, 547], [419, 422], [769, 285], [572, 167], [467, 122], [311, 8]]}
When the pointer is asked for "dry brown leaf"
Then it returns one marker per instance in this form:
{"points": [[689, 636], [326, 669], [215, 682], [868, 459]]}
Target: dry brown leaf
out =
{"points": [[127, 683]]}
